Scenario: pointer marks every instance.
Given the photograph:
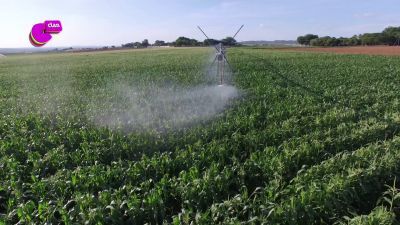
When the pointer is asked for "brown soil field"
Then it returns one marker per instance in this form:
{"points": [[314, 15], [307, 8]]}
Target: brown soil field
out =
{"points": [[366, 50]]}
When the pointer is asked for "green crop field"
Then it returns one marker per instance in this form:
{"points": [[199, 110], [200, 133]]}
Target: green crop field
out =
{"points": [[145, 136]]}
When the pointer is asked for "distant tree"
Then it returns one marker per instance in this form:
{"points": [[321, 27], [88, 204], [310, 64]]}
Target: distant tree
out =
{"points": [[112, 46], [301, 40], [182, 41], [128, 45], [229, 41], [159, 43], [372, 39], [194, 42], [309, 37], [137, 45], [342, 41], [133, 45], [317, 42], [185, 42], [145, 43], [326, 41], [208, 42], [353, 41], [391, 36], [306, 39], [333, 42]]}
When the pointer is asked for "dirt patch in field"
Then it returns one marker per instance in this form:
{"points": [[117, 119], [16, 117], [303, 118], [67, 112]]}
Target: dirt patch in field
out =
{"points": [[370, 50]]}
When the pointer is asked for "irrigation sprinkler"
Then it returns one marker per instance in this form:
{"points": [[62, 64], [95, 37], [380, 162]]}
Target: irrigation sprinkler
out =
{"points": [[220, 56]]}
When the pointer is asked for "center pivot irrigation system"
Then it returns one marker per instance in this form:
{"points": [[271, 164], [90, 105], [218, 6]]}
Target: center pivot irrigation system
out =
{"points": [[220, 56]]}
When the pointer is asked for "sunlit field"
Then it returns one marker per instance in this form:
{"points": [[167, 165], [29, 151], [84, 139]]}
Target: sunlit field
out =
{"points": [[147, 136]]}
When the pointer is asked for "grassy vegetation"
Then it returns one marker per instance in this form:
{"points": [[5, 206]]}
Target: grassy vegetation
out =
{"points": [[314, 139]]}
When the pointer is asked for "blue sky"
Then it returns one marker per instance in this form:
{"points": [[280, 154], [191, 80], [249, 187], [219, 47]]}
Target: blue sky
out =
{"points": [[102, 22]]}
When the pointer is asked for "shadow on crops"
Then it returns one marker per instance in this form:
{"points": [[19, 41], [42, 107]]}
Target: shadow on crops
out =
{"points": [[288, 82]]}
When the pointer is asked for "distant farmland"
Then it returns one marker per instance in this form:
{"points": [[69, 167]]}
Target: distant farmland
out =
{"points": [[364, 50], [135, 137]]}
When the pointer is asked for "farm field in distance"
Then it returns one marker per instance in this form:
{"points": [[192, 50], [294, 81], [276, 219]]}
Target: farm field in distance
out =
{"points": [[363, 50], [135, 137]]}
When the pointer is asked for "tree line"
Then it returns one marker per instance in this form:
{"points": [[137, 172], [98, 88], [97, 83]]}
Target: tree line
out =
{"points": [[389, 36], [181, 42]]}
